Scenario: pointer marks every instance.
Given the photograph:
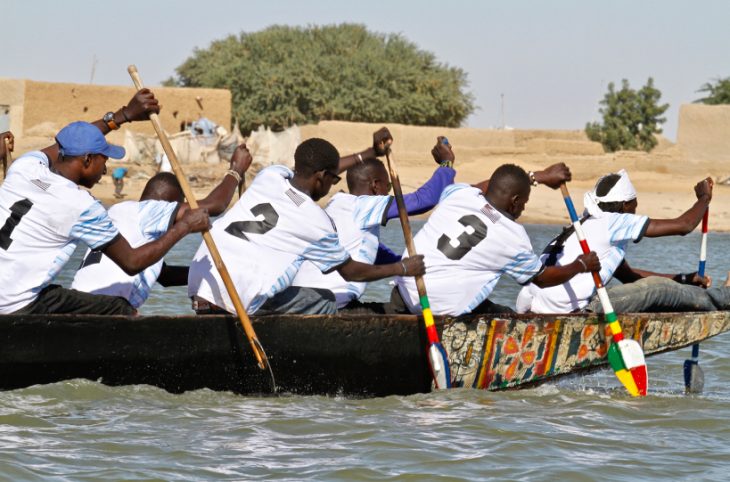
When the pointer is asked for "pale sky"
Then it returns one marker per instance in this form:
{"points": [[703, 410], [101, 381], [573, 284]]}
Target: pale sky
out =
{"points": [[552, 60]]}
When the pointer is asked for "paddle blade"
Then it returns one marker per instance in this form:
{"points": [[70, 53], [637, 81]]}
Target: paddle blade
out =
{"points": [[694, 377], [629, 367], [439, 363]]}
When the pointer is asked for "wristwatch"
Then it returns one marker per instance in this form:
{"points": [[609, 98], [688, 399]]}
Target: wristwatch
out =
{"points": [[109, 121]]}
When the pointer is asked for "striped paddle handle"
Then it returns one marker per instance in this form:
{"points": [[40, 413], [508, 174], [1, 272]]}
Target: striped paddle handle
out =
{"points": [[625, 356], [701, 268]]}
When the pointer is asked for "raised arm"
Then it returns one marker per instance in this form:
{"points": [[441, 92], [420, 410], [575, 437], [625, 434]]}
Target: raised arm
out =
{"points": [[428, 195], [10, 145], [553, 176], [139, 108], [220, 197], [134, 260], [381, 142], [689, 220], [356, 271]]}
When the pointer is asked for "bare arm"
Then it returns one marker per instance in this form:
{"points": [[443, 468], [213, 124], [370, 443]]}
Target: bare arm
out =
{"points": [[134, 260], [556, 275], [381, 141], [220, 197], [356, 271], [139, 108], [553, 176], [689, 220], [628, 274]]}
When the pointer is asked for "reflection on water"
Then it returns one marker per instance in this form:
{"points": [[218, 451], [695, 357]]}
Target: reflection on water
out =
{"points": [[580, 428]]}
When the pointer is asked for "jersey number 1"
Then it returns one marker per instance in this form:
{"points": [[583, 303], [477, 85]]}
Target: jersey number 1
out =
{"points": [[466, 240], [17, 211], [240, 228]]}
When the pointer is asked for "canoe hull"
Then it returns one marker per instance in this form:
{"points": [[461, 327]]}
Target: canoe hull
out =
{"points": [[348, 355]]}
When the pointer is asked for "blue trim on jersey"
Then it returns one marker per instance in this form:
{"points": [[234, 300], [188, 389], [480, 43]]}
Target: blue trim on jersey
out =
{"points": [[94, 227]]}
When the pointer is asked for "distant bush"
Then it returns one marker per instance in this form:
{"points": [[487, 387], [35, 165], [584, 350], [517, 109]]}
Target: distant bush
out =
{"points": [[718, 92], [630, 118], [284, 75]]}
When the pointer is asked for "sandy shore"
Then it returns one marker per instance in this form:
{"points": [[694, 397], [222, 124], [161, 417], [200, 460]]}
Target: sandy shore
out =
{"points": [[664, 178]]}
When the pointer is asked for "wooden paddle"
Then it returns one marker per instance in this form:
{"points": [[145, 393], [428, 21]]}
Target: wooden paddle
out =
{"points": [[258, 350], [694, 377], [437, 358], [8, 156], [624, 355]]}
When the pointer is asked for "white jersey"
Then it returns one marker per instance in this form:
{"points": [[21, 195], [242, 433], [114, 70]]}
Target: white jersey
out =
{"points": [[263, 240], [467, 246], [358, 220], [43, 217], [609, 236], [140, 223]]}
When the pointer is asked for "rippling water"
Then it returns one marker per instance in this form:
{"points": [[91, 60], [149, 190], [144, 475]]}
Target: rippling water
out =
{"points": [[580, 428]]}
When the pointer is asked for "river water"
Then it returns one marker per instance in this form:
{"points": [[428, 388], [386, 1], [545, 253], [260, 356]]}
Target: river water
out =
{"points": [[580, 428]]}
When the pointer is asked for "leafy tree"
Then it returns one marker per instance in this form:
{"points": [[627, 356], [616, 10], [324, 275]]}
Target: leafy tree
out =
{"points": [[718, 92], [284, 75], [630, 118]]}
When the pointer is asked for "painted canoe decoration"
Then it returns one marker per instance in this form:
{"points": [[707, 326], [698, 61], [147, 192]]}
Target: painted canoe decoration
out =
{"points": [[352, 355]]}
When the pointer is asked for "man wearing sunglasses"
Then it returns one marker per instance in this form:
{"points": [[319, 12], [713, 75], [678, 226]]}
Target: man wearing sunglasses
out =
{"points": [[273, 229], [359, 215]]}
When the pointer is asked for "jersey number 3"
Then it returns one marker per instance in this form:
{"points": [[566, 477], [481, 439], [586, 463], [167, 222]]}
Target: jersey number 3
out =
{"points": [[17, 211], [474, 233], [271, 217]]}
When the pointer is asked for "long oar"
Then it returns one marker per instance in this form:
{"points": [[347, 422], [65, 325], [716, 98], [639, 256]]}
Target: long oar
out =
{"points": [[625, 356], [694, 377], [258, 350], [8, 156], [437, 358]]}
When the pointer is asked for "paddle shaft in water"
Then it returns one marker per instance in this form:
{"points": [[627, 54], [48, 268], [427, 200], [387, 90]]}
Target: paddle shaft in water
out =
{"points": [[694, 378], [437, 354], [626, 358], [258, 350]]}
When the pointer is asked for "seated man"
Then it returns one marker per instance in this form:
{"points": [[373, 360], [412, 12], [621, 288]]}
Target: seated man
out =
{"points": [[272, 229], [359, 215], [610, 224], [45, 215], [159, 208], [472, 239]]}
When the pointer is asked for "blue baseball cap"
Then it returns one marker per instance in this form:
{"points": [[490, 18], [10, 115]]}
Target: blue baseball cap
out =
{"points": [[81, 138]]}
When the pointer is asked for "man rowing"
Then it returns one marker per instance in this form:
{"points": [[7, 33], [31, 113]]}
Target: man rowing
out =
{"points": [[611, 225], [472, 238], [159, 208], [46, 214], [274, 228], [359, 215]]}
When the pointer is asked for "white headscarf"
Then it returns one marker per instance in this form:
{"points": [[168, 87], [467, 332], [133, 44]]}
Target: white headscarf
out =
{"points": [[622, 191]]}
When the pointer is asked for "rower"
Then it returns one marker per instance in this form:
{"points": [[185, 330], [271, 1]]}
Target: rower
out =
{"points": [[472, 238], [274, 227], [44, 215], [611, 225], [359, 215], [159, 208]]}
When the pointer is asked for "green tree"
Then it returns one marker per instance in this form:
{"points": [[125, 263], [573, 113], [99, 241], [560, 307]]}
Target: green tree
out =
{"points": [[284, 75], [630, 118], [717, 92]]}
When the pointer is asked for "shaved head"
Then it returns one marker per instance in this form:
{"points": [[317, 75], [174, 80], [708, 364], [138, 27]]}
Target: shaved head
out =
{"points": [[163, 186], [509, 189]]}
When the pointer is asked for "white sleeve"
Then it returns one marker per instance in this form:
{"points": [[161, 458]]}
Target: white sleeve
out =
{"points": [[371, 210], [94, 227], [156, 217], [627, 227], [326, 253]]}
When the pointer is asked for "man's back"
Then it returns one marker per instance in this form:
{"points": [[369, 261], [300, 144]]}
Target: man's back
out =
{"points": [[468, 245], [140, 223], [45, 215], [264, 239]]}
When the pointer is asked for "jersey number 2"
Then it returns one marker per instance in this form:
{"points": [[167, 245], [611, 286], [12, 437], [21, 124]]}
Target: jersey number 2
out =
{"points": [[17, 211], [271, 217], [466, 240]]}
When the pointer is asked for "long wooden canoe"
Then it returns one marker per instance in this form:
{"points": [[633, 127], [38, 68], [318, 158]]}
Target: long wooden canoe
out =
{"points": [[354, 355]]}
